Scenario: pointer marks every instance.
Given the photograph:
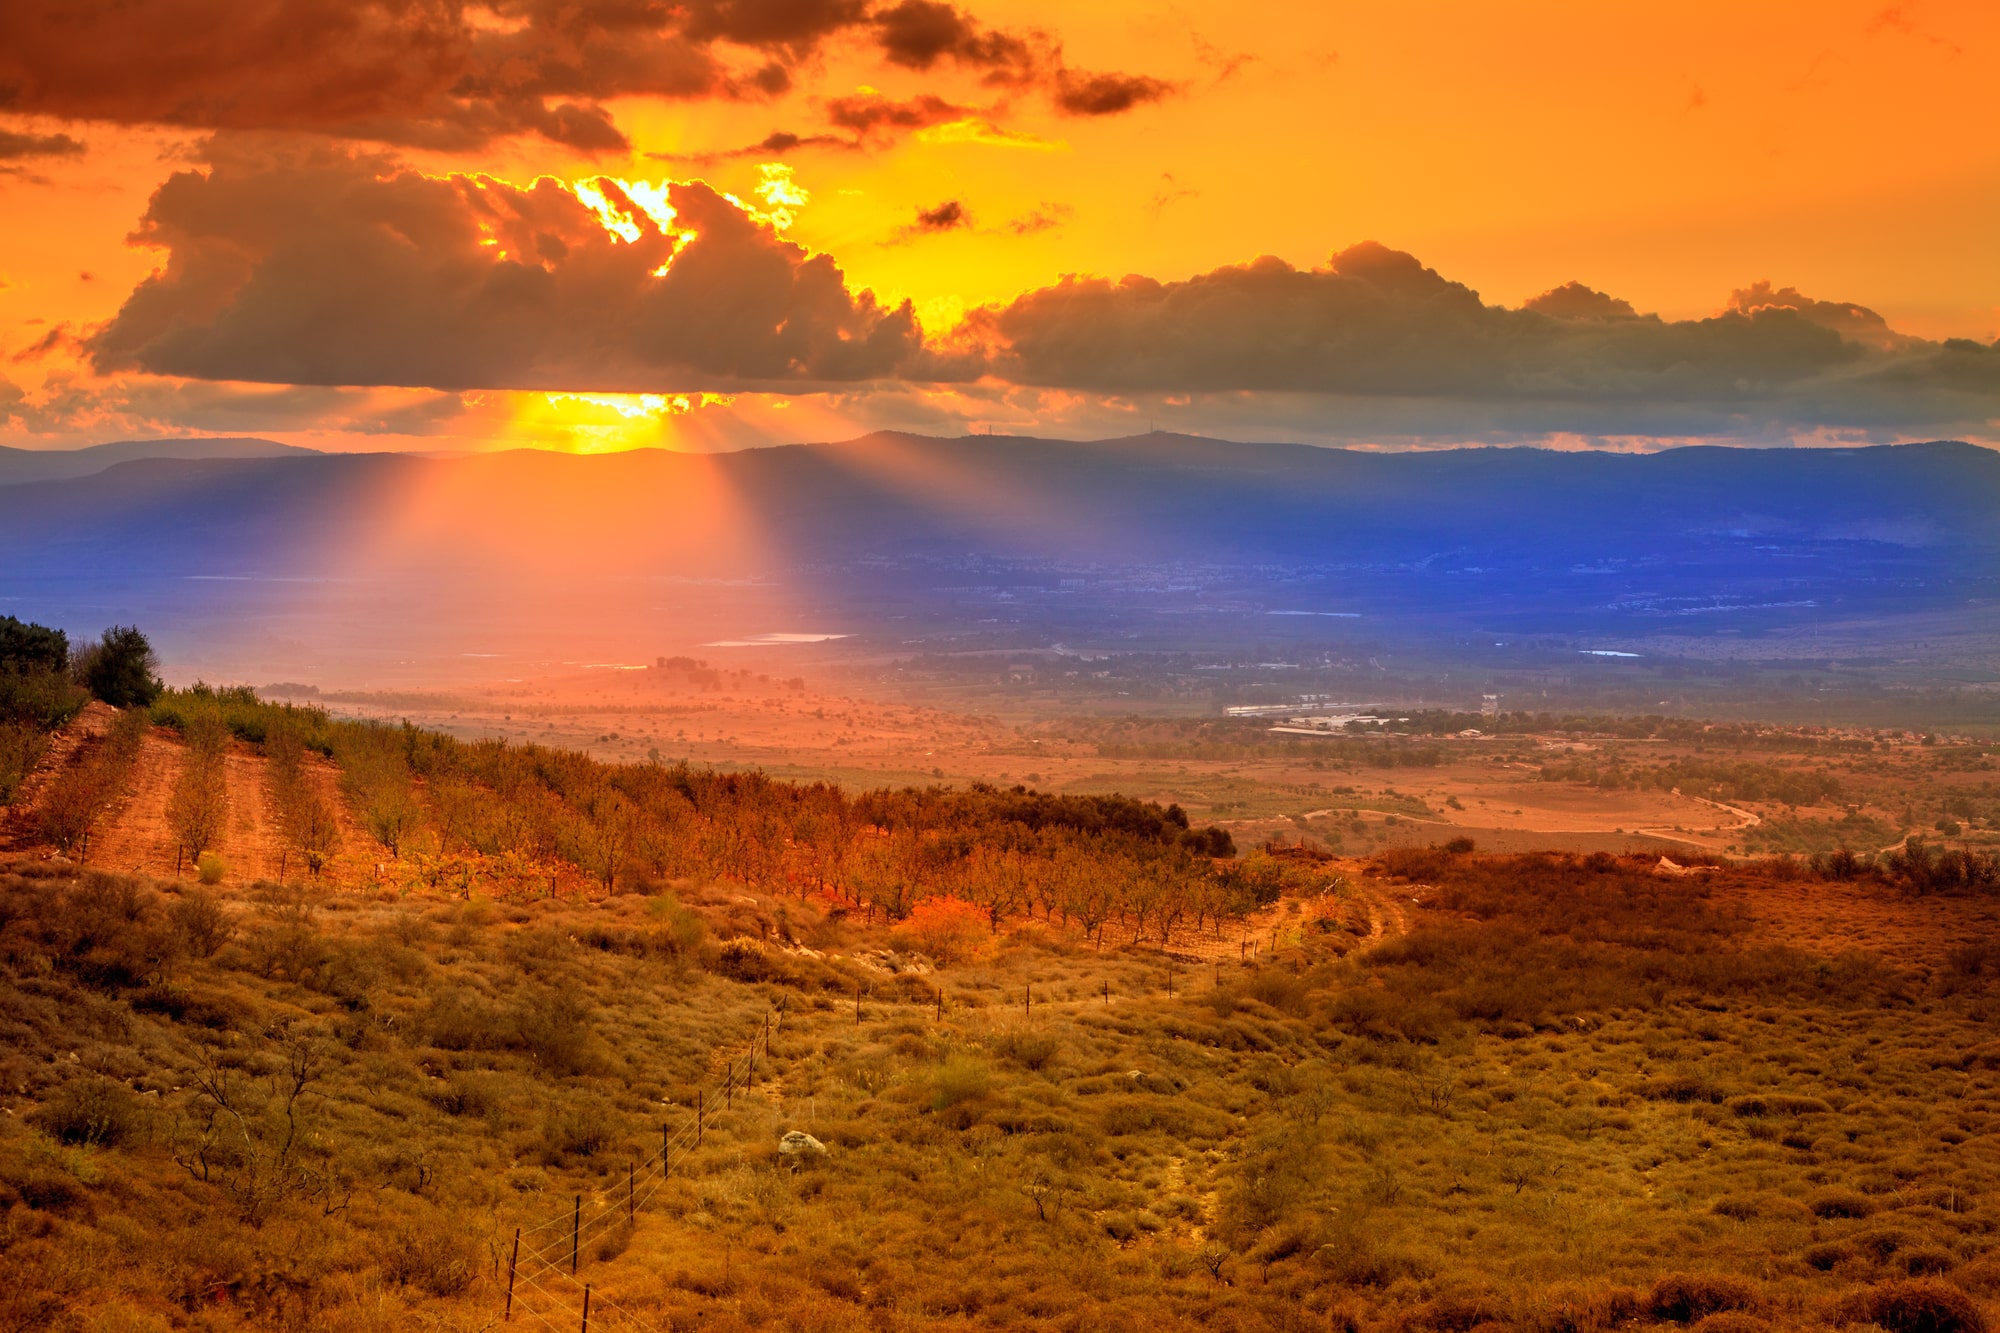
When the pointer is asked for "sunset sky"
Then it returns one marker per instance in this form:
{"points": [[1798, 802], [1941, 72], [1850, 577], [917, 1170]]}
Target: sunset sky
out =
{"points": [[597, 224]]}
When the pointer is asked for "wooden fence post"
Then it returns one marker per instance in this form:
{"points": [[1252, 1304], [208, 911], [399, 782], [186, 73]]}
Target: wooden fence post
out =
{"points": [[631, 1193], [512, 1264], [586, 1307], [575, 1234]]}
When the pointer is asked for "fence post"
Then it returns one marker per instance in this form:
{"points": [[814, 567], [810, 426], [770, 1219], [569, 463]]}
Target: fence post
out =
{"points": [[575, 1234], [586, 1307], [700, 1098], [1028, 1000], [857, 1004], [1107, 995], [940, 1004], [729, 1085], [512, 1264], [631, 1194]]}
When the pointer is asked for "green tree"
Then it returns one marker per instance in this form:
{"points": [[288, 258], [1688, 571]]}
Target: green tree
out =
{"points": [[26, 647], [121, 668]]}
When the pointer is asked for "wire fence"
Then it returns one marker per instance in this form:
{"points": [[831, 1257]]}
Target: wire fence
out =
{"points": [[544, 1270]]}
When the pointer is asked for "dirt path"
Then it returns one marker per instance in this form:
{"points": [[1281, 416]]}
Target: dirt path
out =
{"points": [[132, 837], [18, 831], [252, 844]]}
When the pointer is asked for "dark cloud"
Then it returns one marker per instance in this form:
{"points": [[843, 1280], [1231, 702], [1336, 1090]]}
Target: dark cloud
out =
{"points": [[325, 269], [1377, 327], [796, 27], [869, 113], [1078, 94], [945, 217], [449, 74], [453, 75], [14, 147], [918, 34], [775, 144]]}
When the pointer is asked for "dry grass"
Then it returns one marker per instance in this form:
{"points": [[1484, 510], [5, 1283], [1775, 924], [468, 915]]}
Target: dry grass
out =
{"points": [[1573, 1096]]}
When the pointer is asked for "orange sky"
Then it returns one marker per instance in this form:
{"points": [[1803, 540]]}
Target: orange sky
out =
{"points": [[1666, 155]]}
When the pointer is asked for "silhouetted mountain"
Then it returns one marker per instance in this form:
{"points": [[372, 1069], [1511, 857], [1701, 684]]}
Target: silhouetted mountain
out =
{"points": [[23, 465]]}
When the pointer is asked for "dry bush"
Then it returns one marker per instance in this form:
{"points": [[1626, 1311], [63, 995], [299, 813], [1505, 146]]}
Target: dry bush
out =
{"points": [[93, 1110], [1914, 1305], [203, 923], [1028, 1048], [1834, 1203], [1683, 1298], [582, 1127], [433, 1254], [1731, 1321]]}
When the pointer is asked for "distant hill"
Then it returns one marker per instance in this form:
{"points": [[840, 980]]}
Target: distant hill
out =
{"points": [[25, 465], [1158, 540]]}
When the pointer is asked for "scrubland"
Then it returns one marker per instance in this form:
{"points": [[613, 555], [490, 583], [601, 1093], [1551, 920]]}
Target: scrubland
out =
{"points": [[1567, 1093], [378, 1000]]}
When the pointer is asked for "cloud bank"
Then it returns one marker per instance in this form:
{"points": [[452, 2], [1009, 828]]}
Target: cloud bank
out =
{"points": [[328, 268], [455, 75]]}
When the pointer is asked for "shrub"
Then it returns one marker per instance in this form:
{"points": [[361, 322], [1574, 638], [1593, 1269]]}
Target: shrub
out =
{"points": [[1928, 1261], [433, 1255], [1683, 1298], [1731, 1321], [210, 868], [555, 1027], [958, 1079], [577, 1129], [203, 924], [1030, 1050], [1914, 1305], [1832, 1203], [96, 1111], [950, 930]]}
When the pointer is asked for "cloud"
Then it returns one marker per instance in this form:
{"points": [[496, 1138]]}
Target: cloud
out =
{"points": [[15, 146], [947, 216], [455, 74], [1573, 300], [1377, 335], [323, 268], [775, 144], [1079, 94], [1856, 324], [919, 34], [953, 215], [868, 112]]}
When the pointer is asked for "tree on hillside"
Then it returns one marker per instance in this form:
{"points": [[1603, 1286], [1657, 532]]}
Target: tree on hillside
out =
{"points": [[26, 648], [120, 668]]}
